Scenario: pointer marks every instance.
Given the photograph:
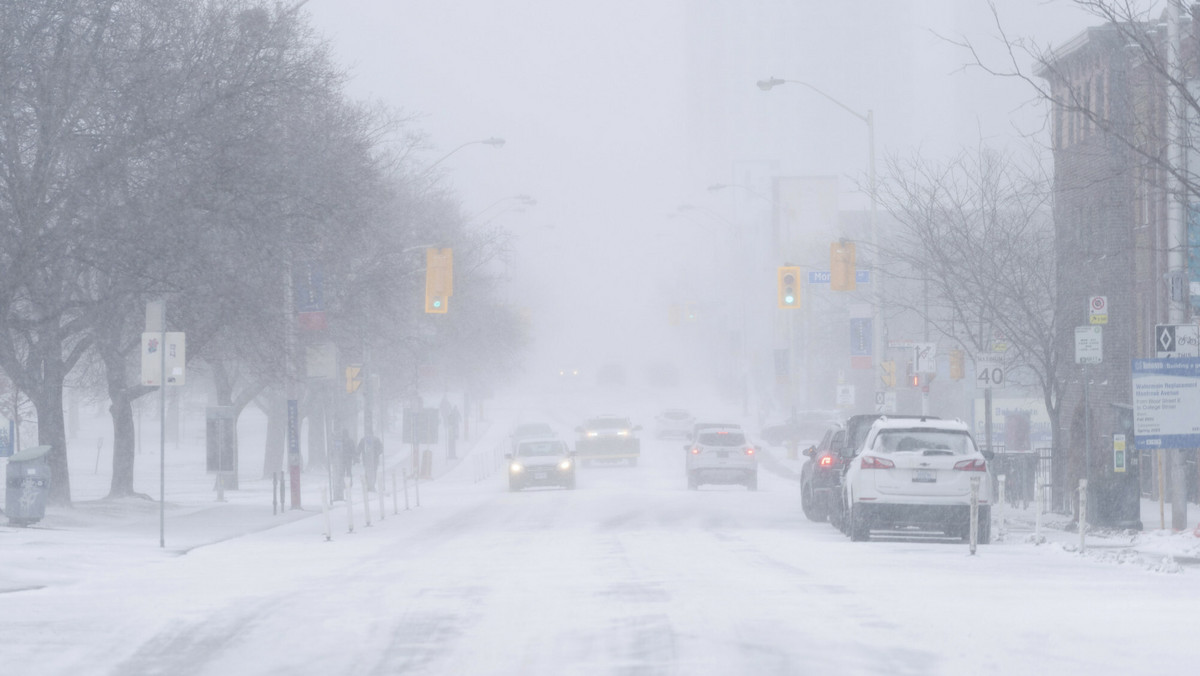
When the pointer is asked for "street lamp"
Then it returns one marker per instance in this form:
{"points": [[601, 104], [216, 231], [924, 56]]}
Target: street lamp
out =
{"points": [[493, 141], [876, 280]]}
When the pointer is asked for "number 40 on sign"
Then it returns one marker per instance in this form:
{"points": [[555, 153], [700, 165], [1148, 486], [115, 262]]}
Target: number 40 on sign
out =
{"points": [[989, 374]]}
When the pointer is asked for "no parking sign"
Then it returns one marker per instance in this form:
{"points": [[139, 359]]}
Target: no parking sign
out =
{"points": [[1098, 309]]}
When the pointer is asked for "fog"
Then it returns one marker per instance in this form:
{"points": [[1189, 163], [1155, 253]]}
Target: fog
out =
{"points": [[615, 114]]}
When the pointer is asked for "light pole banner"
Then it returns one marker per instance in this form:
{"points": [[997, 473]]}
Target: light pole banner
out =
{"points": [[1166, 396]]}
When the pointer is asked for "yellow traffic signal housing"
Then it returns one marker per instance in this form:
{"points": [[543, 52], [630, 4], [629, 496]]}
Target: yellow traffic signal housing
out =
{"points": [[353, 378], [841, 266], [956, 364], [888, 373], [789, 287], [439, 280]]}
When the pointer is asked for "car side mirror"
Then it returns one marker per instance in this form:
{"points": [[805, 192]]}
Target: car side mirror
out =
{"points": [[988, 454], [810, 451], [687, 447], [508, 456]]}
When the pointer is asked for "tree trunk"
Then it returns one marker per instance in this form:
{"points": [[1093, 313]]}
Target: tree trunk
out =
{"points": [[276, 435], [52, 429]]}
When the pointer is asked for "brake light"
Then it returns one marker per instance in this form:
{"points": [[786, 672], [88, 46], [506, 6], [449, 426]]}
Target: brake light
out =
{"points": [[975, 465], [749, 450], [871, 462], [695, 450], [826, 461]]}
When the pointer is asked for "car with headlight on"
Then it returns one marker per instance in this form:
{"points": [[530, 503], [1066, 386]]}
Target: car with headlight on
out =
{"points": [[545, 461], [608, 438], [674, 422], [721, 455], [916, 475]]}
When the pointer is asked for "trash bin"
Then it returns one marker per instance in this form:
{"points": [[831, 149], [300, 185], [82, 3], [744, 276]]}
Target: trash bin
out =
{"points": [[27, 483]]}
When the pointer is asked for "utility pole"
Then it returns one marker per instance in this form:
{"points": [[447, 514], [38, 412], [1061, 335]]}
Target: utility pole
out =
{"points": [[1176, 236]]}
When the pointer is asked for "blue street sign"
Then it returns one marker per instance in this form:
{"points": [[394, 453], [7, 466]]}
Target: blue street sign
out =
{"points": [[307, 283], [823, 276], [860, 337]]}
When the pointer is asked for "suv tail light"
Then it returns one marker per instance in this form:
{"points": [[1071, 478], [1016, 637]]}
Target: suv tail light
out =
{"points": [[749, 450], [871, 462], [695, 450], [975, 465], [826, 461]]}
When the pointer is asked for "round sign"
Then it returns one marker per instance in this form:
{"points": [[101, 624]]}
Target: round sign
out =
{"points": [[1098, 303]]}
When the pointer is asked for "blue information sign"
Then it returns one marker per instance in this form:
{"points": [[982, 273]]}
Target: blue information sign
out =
{"points": [[823, 276], [860, 337], [1166, 396]]}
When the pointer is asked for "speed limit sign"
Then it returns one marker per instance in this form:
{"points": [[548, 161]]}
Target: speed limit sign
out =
{"points": [[989, 374]]}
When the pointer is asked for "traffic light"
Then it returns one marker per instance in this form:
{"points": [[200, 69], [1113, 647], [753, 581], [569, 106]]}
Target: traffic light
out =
{"points": [[439, 279], [889, 373], [841, 266], [914, 378], [789, 286], [956, 364]]}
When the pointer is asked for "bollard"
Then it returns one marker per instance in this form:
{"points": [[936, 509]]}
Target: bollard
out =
{"points": [[1037, 512], [417, 487], [274, 494], [405, 477], [349, 493], [381, 489], [282, 490], [974, 526], [395, 496], [366, 503], [1082, 515], [220, 487], [1000, 505], [325, 511]]}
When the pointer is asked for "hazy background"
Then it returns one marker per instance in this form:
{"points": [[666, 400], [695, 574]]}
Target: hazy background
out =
{"points": [[616, 113]]}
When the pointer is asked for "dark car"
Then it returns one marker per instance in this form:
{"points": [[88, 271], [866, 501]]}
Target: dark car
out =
{"points": [[608, 437], [854, 435], [541, 462], [820, 477]]}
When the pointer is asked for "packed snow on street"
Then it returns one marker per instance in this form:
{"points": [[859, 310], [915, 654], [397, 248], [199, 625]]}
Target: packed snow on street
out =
{"points": [[628, 573]]}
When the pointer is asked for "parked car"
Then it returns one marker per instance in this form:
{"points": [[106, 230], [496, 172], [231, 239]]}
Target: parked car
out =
{"points": [[857, 427], [916, 474], [721, 455], [674, 422], [544, 461], [608, 437], [821, 475]]}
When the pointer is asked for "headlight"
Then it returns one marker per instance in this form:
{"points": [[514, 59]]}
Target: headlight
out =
{"points": [[592, 433], [564, 465], [623, 433], [516, 468]]}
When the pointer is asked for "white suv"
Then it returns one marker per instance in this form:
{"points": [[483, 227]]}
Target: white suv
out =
{"points": [[916, 473], [721, 455]]}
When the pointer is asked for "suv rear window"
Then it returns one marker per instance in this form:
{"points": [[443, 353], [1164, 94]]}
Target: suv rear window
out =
{"points": [[722, 438], [927, 441]]}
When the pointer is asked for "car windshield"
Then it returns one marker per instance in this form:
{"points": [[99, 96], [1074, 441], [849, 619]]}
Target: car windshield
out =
{"points": [[533, 449], [608, 423], [722, 438], [945, 442], [533, 430]]}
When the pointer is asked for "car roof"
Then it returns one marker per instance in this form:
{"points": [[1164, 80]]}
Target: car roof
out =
{"points": [[541, 439], [698, 426], [909, 423]]}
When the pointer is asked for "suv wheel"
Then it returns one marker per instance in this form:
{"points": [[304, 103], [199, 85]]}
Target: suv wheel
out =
{"points": [[860, 531], [812, 510], [752, 482]]}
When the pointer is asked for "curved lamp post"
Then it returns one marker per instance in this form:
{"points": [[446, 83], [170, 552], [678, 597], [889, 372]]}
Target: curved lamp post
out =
{"points": [[869, 118], [493, 141]]}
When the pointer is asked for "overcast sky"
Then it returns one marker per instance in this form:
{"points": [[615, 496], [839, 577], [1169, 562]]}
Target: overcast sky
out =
{"points": [[617, 112]]}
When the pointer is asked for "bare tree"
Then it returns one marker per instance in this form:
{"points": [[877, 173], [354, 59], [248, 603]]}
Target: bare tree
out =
{"points": [[976, 248]]}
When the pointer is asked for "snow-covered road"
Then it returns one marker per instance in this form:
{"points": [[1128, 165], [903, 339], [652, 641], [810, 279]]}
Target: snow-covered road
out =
{"points": [[629, 574]]}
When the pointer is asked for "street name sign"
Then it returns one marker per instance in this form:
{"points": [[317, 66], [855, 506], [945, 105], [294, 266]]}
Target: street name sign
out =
{"points": [[1166, 396]]}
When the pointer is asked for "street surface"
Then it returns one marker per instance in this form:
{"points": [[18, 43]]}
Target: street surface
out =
{"points": [[628, 574]]}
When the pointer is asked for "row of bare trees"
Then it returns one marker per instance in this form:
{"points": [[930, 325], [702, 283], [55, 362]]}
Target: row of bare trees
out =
{"points": [[197, 151]]}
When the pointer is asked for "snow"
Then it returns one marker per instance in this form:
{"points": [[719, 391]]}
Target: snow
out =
{"points": [[630, 573]]}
